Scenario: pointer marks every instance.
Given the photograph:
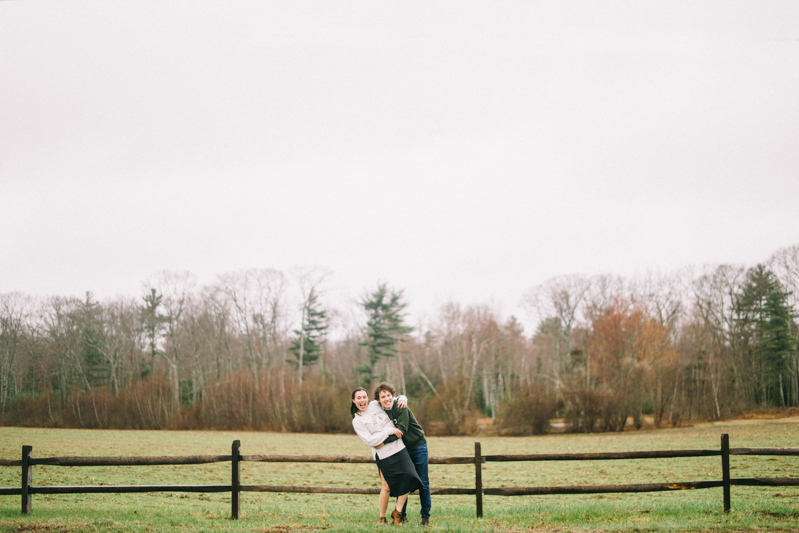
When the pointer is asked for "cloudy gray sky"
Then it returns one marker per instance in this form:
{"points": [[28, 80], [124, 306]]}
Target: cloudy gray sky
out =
{"points": [[459, 150]]}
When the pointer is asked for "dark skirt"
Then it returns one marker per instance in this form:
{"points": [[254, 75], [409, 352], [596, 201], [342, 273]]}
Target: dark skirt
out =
{"points": [[399, 473]]}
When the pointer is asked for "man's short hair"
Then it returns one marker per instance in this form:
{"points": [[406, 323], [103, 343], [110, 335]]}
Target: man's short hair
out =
{"points": [[384, 387]]}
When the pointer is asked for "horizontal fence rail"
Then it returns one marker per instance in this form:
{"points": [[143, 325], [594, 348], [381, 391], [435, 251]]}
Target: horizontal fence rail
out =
{"points": [[124, 489], [344, 459], [27, 489], [601, 489], [133, 461], [764, 451], [666, 454], [124, 461]]}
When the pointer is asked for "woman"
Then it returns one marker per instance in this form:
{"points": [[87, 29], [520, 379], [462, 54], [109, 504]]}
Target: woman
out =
{"points": [[396, 469]]}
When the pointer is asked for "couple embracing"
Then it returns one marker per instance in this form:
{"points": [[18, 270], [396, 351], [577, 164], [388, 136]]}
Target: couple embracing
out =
{"points": [[398, 446]]}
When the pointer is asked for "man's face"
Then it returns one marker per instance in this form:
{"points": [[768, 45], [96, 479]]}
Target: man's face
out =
{"points": [[386, 399]]}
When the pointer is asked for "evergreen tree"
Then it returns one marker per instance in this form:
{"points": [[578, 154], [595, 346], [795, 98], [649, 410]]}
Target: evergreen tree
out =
{"points": [[152, 323], [310, 338], [778, 344], [93, 363], [385, 329], [765, 322]]}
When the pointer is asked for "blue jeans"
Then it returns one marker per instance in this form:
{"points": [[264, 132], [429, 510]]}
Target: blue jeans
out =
{"points": [[419, 458]]}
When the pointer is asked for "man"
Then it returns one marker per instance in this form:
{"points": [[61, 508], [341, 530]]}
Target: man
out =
{"points": [[414, 439]]}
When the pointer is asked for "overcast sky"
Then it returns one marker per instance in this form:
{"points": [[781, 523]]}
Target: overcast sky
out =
{"points": [[458, 150]]}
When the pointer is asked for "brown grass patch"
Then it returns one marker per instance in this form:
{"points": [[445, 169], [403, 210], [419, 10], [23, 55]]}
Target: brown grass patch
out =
{"points": [[48, 527], [289, 528], [766, 414]]}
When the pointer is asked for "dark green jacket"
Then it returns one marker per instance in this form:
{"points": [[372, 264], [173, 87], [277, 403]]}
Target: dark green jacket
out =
{"points": [[412, 432]]}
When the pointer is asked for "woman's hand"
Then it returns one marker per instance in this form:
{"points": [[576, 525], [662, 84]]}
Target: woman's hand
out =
{"points": [[398, 433]]}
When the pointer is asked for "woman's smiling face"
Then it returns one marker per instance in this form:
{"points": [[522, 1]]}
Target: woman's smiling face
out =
{"points": [[361, 400]]}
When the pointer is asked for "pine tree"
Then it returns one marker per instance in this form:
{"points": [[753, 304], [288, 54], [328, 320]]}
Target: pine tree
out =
{"points": [[93, 363], [152, 324], [765, 322], [385, 329], [307, 346], [777, 344]]}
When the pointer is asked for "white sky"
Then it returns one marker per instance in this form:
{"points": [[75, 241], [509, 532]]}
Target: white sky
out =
{"points": [[459, 150]]}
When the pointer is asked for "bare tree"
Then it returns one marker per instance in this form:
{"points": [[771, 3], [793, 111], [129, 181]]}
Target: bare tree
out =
{"points": [[61, 325], [119, 338], [664, 296], [785, 265], [562, 299], [176, 289], [714, 297], [460, 342], [15, 313], [256, 299]]}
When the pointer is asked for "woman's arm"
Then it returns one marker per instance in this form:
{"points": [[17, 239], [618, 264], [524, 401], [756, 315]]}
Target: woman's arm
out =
{"points": [[371, 439]]}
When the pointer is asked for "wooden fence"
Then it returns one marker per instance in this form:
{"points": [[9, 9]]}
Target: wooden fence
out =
{"points": [[236, 488]]}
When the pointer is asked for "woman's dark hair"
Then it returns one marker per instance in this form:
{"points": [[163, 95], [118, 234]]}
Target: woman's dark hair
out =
{"points": [[353, 407]]}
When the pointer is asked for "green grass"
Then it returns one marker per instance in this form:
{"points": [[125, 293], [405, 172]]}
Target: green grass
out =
{"points": [[771, 509]]}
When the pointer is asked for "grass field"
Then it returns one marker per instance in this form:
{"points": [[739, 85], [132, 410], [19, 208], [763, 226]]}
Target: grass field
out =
{"points": [[772, 509]]}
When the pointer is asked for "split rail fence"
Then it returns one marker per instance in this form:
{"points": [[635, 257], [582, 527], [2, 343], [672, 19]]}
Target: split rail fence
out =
{"points": [[235, 488]]}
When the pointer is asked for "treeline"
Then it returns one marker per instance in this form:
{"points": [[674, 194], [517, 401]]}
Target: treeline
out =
{"points": [[261, 350]]}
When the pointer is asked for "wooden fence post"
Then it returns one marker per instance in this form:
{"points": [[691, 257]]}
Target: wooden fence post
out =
{"points": [[725, 470], [235, 483], [27, 475], [478, 479]]}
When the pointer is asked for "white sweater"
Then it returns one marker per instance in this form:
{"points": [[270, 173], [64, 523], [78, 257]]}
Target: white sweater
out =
{"points": [[374, 426]]}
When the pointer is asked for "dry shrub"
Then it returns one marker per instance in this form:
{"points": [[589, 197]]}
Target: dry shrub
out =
{"points": [[321, 407], [142, 405], [450, 411], [31, 412], [590, 410], [583, 409], [528, 411], [275, 404]]}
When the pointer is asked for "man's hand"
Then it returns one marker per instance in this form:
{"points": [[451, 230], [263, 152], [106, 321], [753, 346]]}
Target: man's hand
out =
{"points": [[379, 446]]}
